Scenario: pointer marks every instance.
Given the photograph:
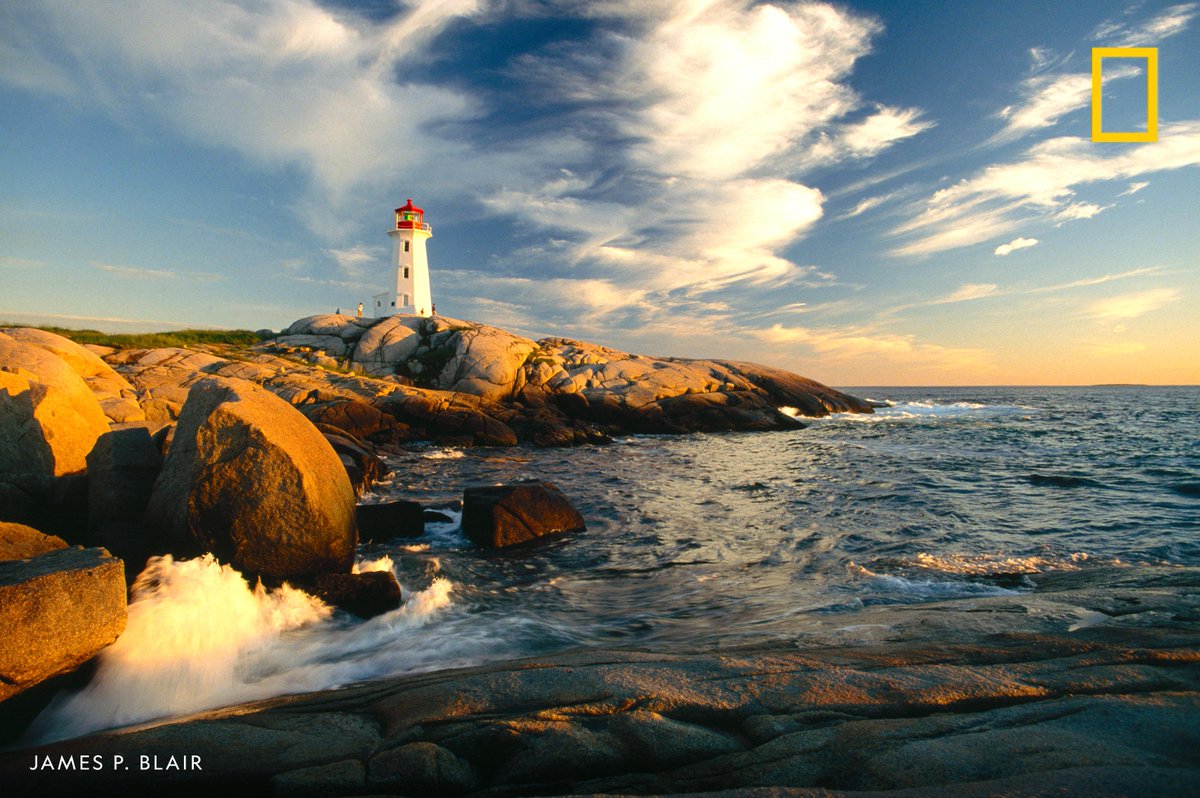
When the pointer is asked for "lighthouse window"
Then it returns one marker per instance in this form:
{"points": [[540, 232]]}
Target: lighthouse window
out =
{"points": [[406, 246], [406, 272]]}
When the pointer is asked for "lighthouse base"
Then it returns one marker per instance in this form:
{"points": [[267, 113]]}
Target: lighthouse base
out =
{"points": [[389, 304]]}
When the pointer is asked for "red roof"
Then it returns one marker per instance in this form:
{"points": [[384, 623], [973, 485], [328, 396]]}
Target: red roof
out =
{"points": [[409, 207]]}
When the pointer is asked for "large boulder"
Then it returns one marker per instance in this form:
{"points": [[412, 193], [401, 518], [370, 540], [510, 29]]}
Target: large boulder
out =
{"points": [[57, 609], [251, 480], [49, 421], [116, 396], [486, 361], [504, 515], [19, 542], [389, 343]]}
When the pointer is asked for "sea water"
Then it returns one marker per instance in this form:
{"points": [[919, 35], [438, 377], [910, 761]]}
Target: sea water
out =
{"points": [[695, 543]]}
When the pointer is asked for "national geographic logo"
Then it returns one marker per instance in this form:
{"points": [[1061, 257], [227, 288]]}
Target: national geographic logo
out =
{"points": [[1151, 56]]}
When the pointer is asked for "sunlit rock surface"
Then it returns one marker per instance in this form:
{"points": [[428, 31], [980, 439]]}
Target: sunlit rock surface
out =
{"points": [[58, 608], [404, 378], [249, 479]]}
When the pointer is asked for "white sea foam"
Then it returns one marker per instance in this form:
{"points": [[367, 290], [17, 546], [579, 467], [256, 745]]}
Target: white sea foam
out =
{"points": [[999, 564], [933, 411], [905, 589], [199, 637], [444, 454]]}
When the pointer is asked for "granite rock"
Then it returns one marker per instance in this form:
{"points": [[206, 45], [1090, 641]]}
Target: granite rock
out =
{"points": [[249, 479]]}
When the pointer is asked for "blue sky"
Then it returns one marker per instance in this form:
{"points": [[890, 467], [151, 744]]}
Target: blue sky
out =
{"points": [[868, 193]]}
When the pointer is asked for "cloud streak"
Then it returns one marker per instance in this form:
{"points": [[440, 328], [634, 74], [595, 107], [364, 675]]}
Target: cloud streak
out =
{"points": [[1038, 186]]}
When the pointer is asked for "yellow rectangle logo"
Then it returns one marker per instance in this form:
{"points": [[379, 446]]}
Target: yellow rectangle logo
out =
{"points": [[1151, 56]]}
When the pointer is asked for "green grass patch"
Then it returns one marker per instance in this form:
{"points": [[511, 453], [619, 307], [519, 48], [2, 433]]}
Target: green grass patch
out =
{"points": [[182, 338]]}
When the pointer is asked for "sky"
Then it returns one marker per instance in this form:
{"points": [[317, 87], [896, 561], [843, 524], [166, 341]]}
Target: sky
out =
{"points": [[867, 193]]}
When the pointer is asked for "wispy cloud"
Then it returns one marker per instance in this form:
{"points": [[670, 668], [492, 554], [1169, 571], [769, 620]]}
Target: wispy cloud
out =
{"points": [[1130, 306], [1134, 188], [117, 321], [1150, 31], [283, 82], [10, 262], [1014, 245], [845, 345], [355, 260], [1039, 186], [1047, 98], [1146, 271], [136, 272], [867, 204], [966, 293]]}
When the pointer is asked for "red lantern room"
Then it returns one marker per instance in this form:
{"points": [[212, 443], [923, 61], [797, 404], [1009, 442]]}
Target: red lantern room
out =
{"points": [[410, 217]]}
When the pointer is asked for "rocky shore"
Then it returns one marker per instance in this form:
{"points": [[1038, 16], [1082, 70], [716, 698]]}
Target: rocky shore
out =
{"points": [[947, 705], [256, 454]]}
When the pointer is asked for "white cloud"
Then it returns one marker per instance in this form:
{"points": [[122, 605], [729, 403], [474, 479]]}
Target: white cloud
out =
{"points": [[1130, 306], [1040, 185], [966, 293], [1014, 245], [354, 261], [136, 272], [282, 82], [1047, 98], [866, 204], [1078, 210], [1134, 188], [707, 111], [1150, 32]]}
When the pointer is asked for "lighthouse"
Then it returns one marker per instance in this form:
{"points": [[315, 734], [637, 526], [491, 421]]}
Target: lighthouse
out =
{"points": [[411, 294]]}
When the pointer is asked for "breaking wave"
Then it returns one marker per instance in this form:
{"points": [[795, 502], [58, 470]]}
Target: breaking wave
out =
{"points": [[198, 636]]}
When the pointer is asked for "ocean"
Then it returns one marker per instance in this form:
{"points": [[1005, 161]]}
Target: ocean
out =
{"points": [[698, 543]]}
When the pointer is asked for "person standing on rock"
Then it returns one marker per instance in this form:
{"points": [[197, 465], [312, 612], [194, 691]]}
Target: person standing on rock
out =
{"points": [[358, 313]]}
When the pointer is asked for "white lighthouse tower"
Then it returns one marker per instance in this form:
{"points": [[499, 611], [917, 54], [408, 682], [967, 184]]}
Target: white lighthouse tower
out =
{"points": [[411, 264]]}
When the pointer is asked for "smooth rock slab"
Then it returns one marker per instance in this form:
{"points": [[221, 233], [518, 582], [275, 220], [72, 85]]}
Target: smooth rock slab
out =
{"points": [[505, 515], [57, 610], [1022, 715]]}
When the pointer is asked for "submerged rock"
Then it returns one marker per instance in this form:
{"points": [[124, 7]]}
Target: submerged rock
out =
{"points": [[57, 609], [365, 595], [505, 515], [250, 479], [390, 520]]}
